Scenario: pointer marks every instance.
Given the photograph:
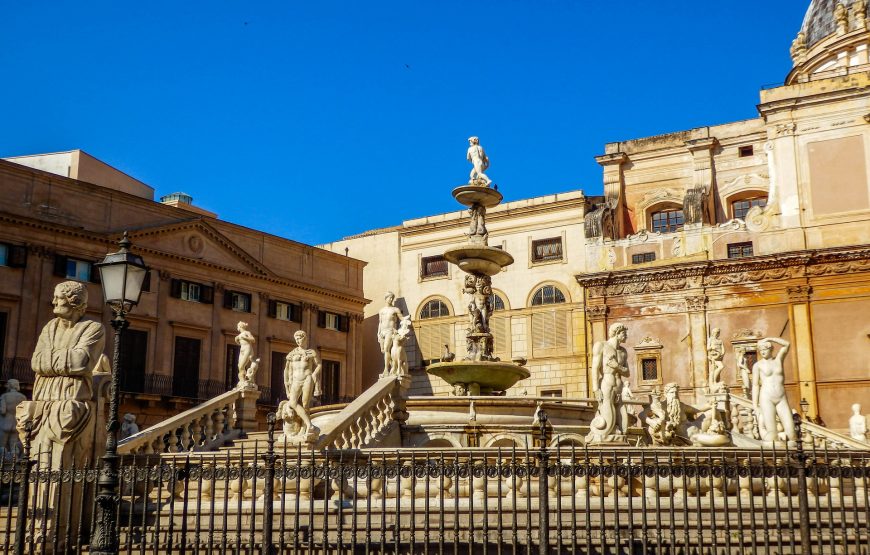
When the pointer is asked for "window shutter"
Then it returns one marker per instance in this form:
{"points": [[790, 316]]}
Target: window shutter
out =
{"points": [[296, 313], [343, 323], [228, 298], [206, 295], [95, 273], [321, 319], [272, 310], [17, 256], [175, 288], [59, 265], [146, 283]]}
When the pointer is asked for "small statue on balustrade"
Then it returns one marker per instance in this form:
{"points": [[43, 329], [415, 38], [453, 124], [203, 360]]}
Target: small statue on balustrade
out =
{"points": [[858, 424], [129, 426], [10, 445], [388, 320], [245, 339], [398, 356]]}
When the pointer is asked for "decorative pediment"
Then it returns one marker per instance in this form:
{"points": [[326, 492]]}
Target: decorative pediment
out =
{"points": [[648, 343], [658, 196], [197, 240], [746, 182]]}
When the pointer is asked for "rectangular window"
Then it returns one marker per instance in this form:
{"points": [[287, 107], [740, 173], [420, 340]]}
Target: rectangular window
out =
{"points": [[547, 249], [231, 369], [235, 300], [133, 357], [276, 379], [746, 151], [185, 367], [331, 382], [551, 393], [285, 311], [740, 208], [333, 321], [739, 250], [642, 257], [433, 266], [667, 221], [13, 256], [649, 369], [190, 291], [79, 270], [4, 255]]}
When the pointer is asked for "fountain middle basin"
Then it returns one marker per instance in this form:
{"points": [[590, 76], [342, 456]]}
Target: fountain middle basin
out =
{"points": [[490, 376]]}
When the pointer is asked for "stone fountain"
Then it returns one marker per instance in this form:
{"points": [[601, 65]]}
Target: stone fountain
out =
{"points": [[479, 372]]}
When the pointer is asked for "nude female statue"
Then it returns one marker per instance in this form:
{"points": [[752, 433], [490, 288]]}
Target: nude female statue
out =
{"points": [[768, 391], [302, 381], [245, 340]]}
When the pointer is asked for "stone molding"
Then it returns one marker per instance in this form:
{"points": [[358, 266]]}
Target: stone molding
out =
{"points": [[596, 312], [799, 294], [679, 277], [696, 303]]}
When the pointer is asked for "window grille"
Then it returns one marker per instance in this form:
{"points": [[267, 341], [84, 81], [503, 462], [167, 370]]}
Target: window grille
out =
{"points": [[547, 249], [650, 369], [739, 250], [548, 294], [642, 257], [433, 266], [434, 309]]}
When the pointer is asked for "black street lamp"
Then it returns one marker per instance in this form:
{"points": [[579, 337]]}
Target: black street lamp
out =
{"points": [[122, 274]]}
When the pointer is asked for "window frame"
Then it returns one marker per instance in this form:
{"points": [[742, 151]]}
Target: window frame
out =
{"points": [[549, 241], [644, 257], [187, 289], [742, 246], [669, 227], [556, 289], [441, 304], [752, 200], [426, 260], [745, 151]]}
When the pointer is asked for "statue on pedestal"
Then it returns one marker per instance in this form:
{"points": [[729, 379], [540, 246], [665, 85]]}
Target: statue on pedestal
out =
{"points": [[715, 354], [857, 424], [302, 381], [62, 410], [388, 320], [129, 426], [609, 369], [10, 445], [398, 357], [768, 392], [479, 162], [245, 340]]}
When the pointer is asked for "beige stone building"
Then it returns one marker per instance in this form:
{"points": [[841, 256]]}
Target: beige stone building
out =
{"points": [[757, 228], [61, 213], [539, 305]]}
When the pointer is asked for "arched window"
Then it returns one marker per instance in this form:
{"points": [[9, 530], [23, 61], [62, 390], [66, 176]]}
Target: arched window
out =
{"points": [[434, 309], [667, 220], [548, 294], [497, 302], [739, 208]]}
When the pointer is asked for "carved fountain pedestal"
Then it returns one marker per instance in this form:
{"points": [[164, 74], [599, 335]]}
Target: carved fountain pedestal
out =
{"points": [[479, 372]]}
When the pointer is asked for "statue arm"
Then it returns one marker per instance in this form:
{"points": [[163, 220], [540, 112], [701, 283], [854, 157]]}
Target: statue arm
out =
{"points": [[596, 367], [42, 355], [782, 343], [82, 357], [315, 375]]}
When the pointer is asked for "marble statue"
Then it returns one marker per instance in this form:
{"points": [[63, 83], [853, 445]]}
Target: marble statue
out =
{"points": [[10, 445], [661, 432], [479, 162], [62, 412], [245, 340], [745, 373], [768, 392], [302, 381], [398, 356], [715, 354], [388, 319], [129, 426], [609, 369], [472, 412], [857, 424], [447, 356]]}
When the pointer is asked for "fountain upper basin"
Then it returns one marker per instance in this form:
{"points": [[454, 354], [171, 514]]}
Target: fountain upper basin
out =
{"points": [[491, 376]]}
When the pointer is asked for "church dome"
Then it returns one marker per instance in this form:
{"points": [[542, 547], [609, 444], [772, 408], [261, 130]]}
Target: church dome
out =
{"points": [[820, 20]]}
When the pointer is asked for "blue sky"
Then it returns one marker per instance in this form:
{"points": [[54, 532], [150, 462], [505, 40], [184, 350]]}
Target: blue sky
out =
{"points": [[317, 120]]}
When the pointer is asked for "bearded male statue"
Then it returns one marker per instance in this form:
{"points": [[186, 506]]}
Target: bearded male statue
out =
{"points": [[63, 412]]}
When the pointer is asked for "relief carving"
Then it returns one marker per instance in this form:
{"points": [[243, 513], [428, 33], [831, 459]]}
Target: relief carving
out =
{"points": [[696, 303]]}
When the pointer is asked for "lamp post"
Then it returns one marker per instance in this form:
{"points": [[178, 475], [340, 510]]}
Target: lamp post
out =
{"points": [[122, 274], [805, 408]]}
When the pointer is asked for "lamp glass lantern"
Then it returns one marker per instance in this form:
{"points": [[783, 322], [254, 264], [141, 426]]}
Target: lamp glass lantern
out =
{"points": [[805, 407], [122, 274]]}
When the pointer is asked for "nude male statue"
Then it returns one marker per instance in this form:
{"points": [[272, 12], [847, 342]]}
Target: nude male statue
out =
{"points": [[768, 391], [479, 161], [609, 368], [302, 381], [388, 321]]}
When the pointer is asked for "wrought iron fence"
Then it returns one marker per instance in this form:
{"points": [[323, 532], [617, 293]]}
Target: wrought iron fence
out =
{"points": [[268, 497]]}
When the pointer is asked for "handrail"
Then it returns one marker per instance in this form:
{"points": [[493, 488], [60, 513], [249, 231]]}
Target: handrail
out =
{"points": [[817, 432], [369, 418], [207, 426]]}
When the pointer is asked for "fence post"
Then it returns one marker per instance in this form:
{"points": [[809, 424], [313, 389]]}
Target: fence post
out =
{"points": [[25, 465], [543, 490], [269, 489], [803, 498]]}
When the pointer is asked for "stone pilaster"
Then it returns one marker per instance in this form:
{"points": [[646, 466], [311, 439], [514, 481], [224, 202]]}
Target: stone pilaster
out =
{"points": [[217, 351], [163, 342], [614, 188], [695, 309], [802, 340], [264, 354], [309, 317]]}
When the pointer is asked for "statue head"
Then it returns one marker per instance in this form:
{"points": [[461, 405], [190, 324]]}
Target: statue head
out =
{"points": [[672, 391], [242, 326], [618, 330], [856, 408], [390, 297], [13, 385], [715, 333], [473, 140], [129, 418], [301, 338], [70, 300], [765, 349]]}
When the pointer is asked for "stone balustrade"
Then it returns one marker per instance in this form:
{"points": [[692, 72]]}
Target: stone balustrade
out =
{"points": [[205, 427]]}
